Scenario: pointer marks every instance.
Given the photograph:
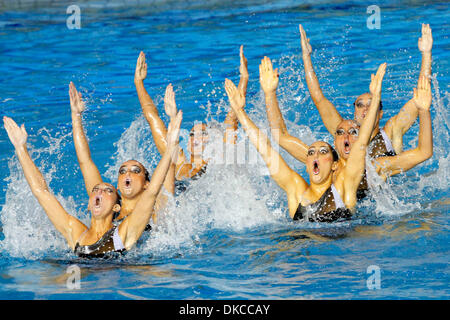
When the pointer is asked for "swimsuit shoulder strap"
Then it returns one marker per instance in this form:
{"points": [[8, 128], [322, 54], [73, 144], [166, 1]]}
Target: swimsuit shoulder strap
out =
{"points": [[118, 244], [387, 141], [82, 235], [337, 198]]}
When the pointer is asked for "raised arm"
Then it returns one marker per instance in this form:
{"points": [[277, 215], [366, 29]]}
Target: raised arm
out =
{"points": [[268, 78], [284, 176], [134, 224], [388, 166], [70, 227], [159, 131], [231, 121], [397, 126], [354, 169], [88, 168], [328, 112]]}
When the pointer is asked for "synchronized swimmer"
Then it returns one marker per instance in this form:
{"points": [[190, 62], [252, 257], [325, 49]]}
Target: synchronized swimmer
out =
{"points": [[337, 175]]}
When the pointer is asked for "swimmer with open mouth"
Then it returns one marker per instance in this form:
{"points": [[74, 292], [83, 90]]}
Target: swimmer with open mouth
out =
{"points": [[102, 237]]}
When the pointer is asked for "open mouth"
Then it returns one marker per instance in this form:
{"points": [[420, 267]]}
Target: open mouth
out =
{"points": [[316, 167], [346, 147], [127, 183], [98, 201]]}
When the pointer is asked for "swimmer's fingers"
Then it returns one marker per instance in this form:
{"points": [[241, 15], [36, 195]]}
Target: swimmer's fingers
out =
{"points": [[17, 136], [375, 85], [268, 77], [243, 61], [76, 102], [173, 131], [426, 41], [237, 101], [422, 94], [306, 47], [170, 106], [141, 67]]}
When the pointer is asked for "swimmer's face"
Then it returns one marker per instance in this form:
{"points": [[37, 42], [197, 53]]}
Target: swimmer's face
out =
{"points": [[362, 104], [131, 181], [319, 162], [103, 200], [346, 134], [198, 137]]}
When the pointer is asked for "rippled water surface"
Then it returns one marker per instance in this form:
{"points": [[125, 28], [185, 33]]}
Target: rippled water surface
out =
{"points": [[229, 235]]}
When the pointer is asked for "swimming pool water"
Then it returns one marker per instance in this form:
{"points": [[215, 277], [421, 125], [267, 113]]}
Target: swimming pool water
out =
{"points": [[229, 236]]}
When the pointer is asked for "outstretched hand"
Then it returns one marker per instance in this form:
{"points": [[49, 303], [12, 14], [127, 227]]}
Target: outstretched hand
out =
{"points": [[169, 102], [268, 77], [173, 133], [18, 136], [306, 47], [243, 67], [375, 84], [426, 41], [77, 104], [237, 100], [141, 67], [422, 94]]}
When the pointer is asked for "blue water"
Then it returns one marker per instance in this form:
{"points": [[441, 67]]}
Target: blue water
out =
{"points": [[229, 236]]}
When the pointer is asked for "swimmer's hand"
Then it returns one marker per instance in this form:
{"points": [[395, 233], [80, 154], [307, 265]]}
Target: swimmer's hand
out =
{"points": [[422, 94], [237, 100], [267, 76], [173, 133], [426, 41], [375, 84], [141, 68], [77, 104], [243, 67], [306, 47], [169, 102], [18, 136]]}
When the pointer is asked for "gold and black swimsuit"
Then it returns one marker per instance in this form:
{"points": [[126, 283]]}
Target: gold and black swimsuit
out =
{"points": [[181, 185], [106, 247], [328, 208], [381, 145]]}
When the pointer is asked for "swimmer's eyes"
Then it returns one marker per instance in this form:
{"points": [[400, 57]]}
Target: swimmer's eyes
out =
{"points": [[107, 190], [363, 105], [134, 169], [353, 132], [204, 133], [322, 150]]}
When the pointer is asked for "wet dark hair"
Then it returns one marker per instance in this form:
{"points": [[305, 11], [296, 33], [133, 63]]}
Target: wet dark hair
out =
{"points": [[119, 198], [334, 153]]}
